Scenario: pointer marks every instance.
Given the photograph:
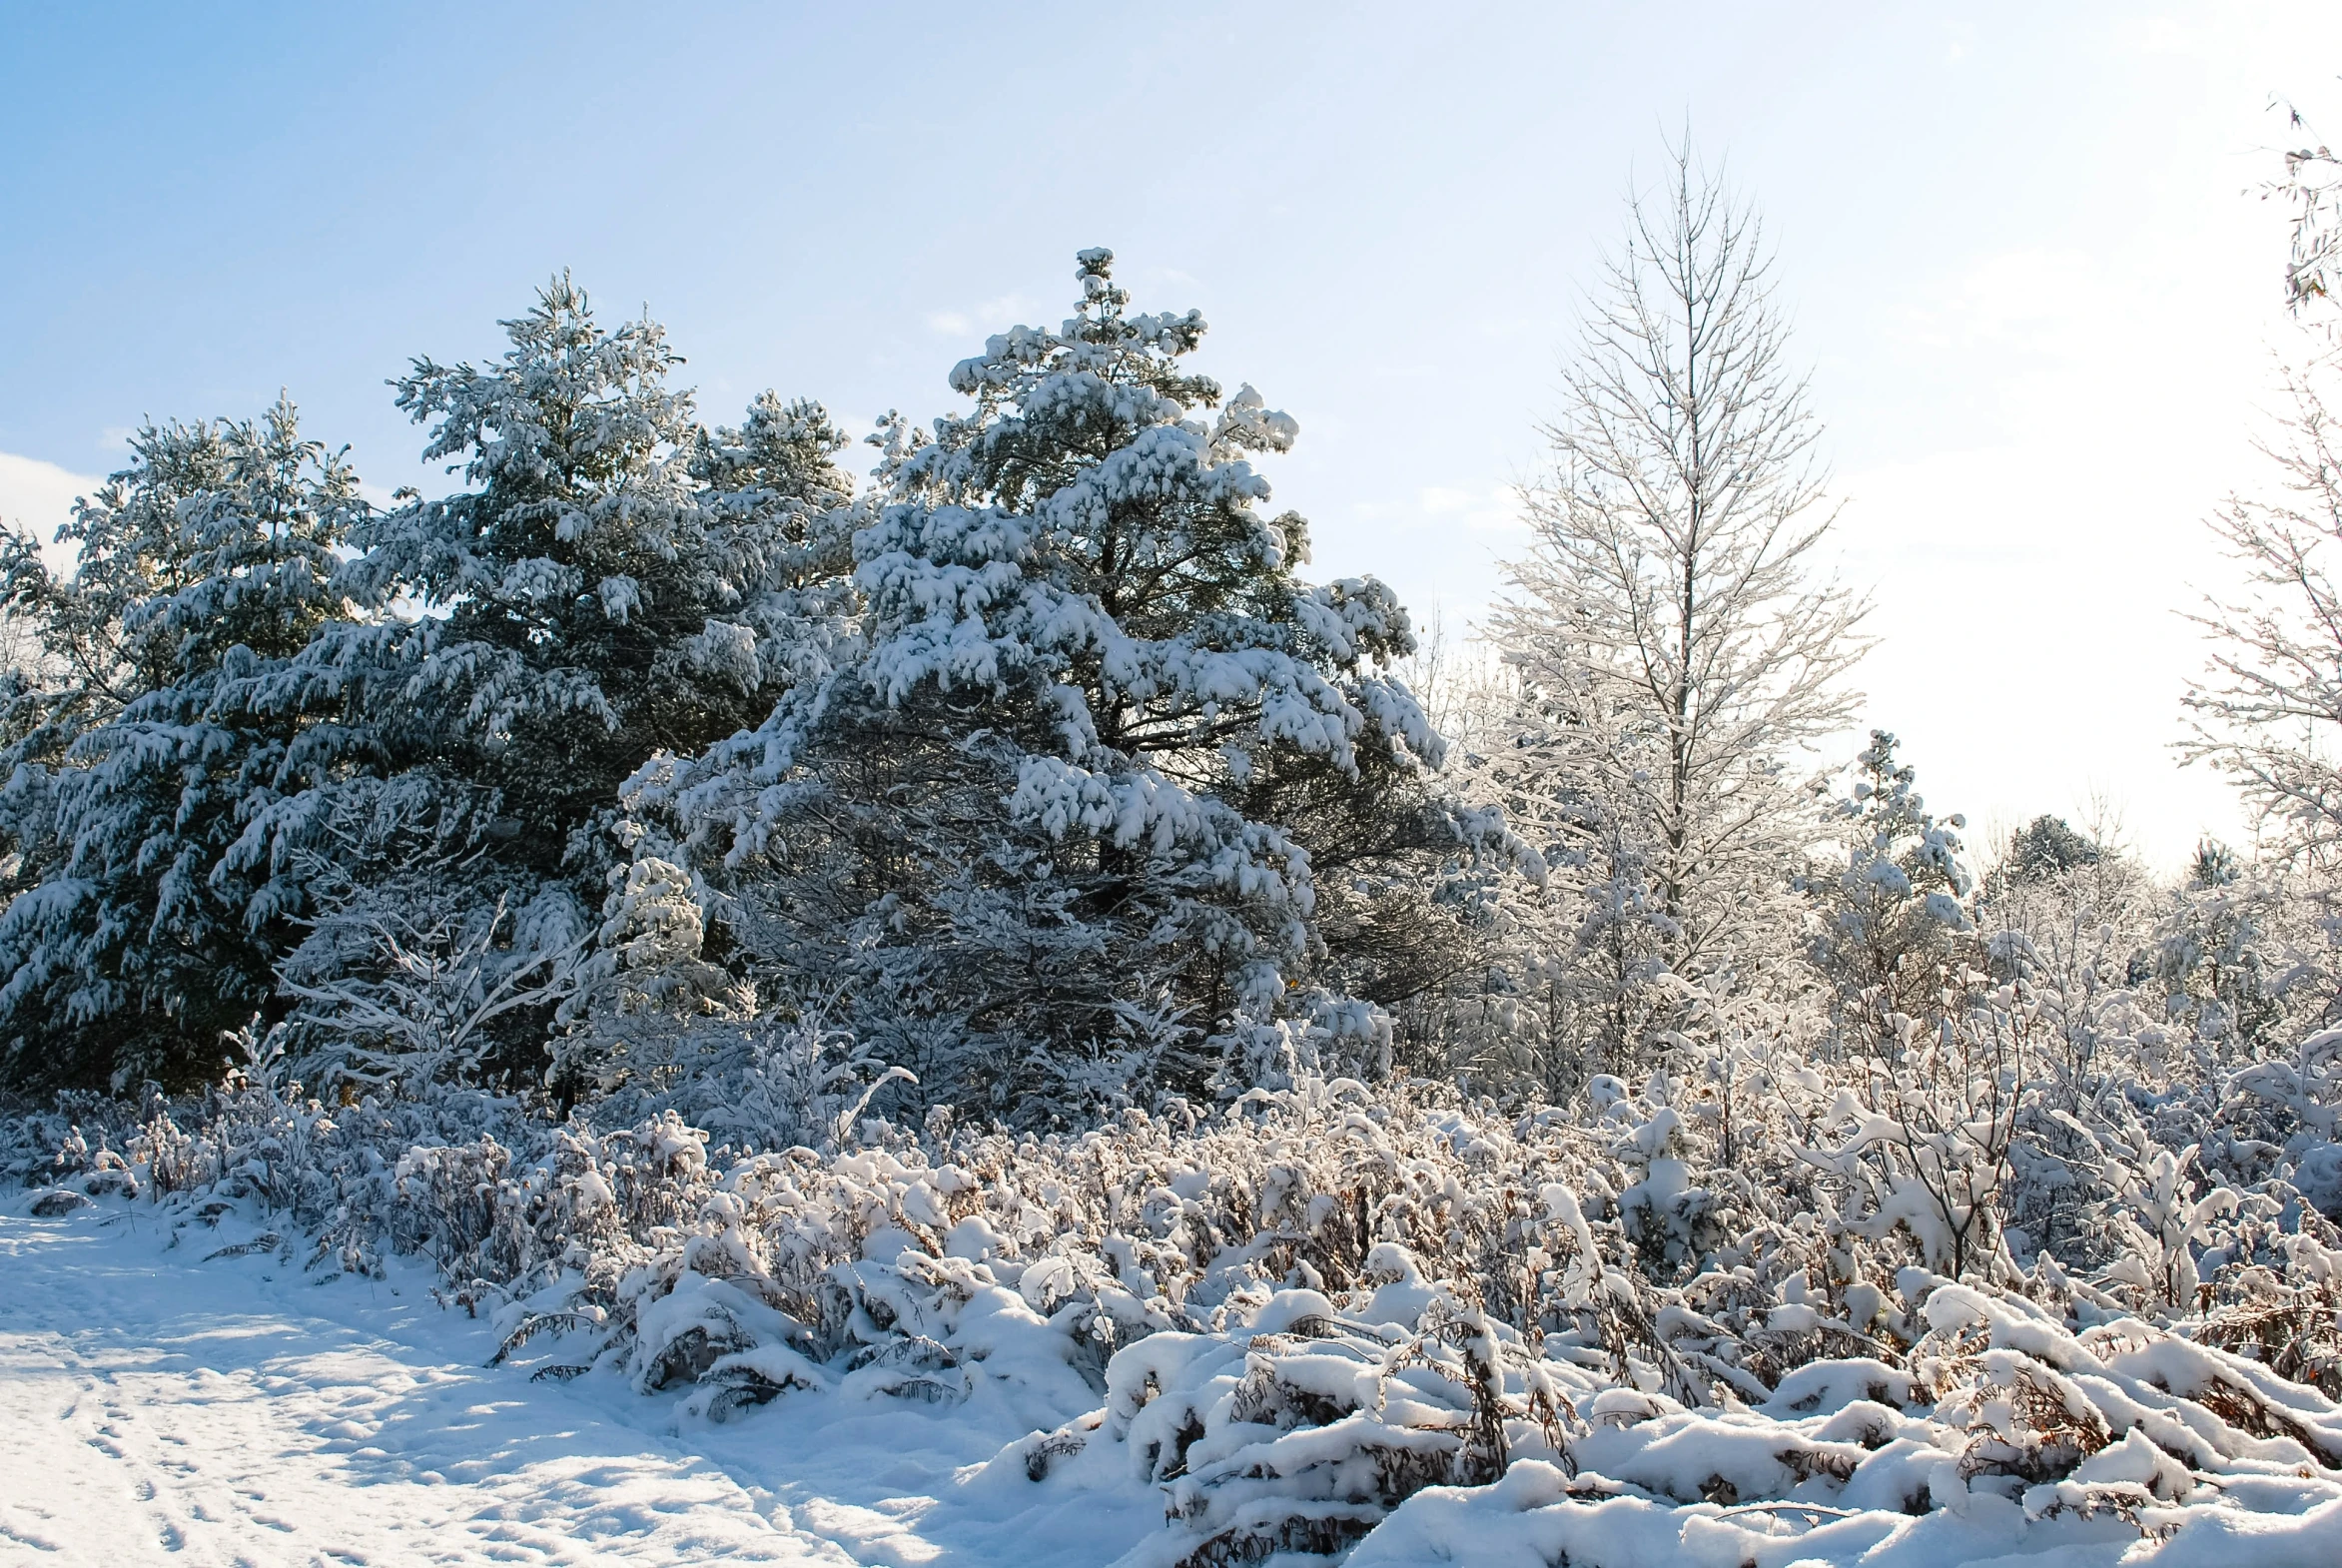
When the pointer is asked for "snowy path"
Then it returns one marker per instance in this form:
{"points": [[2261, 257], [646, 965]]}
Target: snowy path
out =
{"points": [[156, 1409]]}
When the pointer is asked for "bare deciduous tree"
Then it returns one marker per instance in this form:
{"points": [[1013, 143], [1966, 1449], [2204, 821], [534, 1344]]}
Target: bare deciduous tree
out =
{"points": [[2268, 711], [1675, 646], [2312, 187]]}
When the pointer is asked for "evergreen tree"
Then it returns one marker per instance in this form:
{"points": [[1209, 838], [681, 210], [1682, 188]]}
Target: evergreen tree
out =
{"points": [[152, 758], [1895, 918], [614, 581], [1057, 834], [2044, 848]]}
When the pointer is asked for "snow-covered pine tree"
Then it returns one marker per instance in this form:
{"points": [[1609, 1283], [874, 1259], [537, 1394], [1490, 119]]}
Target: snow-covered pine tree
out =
{"points": [[615, 580], [148, 769], [1895, 916], [2044, 848], [1059, 836]]}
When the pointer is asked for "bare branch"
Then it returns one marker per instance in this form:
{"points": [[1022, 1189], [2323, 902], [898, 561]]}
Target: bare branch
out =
{"points": [[1674, 646]]}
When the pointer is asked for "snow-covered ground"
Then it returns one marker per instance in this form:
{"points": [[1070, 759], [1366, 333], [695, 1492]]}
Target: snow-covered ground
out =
{"points": [[155, 1407], [178, 1401]]}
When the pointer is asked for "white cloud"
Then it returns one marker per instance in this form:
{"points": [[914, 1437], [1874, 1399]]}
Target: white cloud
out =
{"points": [[38, 496], [991, 316]]}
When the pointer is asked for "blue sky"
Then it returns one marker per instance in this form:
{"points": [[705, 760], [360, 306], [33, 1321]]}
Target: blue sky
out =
{"points": [[2015, 240]]}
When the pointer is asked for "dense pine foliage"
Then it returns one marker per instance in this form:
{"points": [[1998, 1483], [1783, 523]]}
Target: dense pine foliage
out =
{"points": [[1036, 769]]}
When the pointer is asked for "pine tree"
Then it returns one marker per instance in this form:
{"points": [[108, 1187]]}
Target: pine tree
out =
{"points": [[2048, 847], [1896, 915], [616, 580], [1057, 834], [149, 766]]}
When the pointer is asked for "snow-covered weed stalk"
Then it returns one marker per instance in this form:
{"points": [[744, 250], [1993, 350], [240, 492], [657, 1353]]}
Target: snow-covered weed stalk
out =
{"points": [[424, 1015], [1924, 1137], [1761, 1277]]}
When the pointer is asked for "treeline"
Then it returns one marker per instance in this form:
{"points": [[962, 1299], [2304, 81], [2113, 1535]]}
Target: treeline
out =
{"points": [[1029, 779], [1033, 769]]}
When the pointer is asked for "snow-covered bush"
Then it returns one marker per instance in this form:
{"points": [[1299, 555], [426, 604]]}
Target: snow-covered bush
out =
{"points": [[1306, 1318]]}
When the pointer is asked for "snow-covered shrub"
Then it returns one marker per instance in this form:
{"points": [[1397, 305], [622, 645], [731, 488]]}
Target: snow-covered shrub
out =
{"points": [[2242, 957], [423, 1001], [1769, 1280]]}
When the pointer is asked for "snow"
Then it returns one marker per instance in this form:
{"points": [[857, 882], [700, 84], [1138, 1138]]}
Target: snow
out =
{"points": [[155, 1407], [174, 1386], [1523, 1523]]}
